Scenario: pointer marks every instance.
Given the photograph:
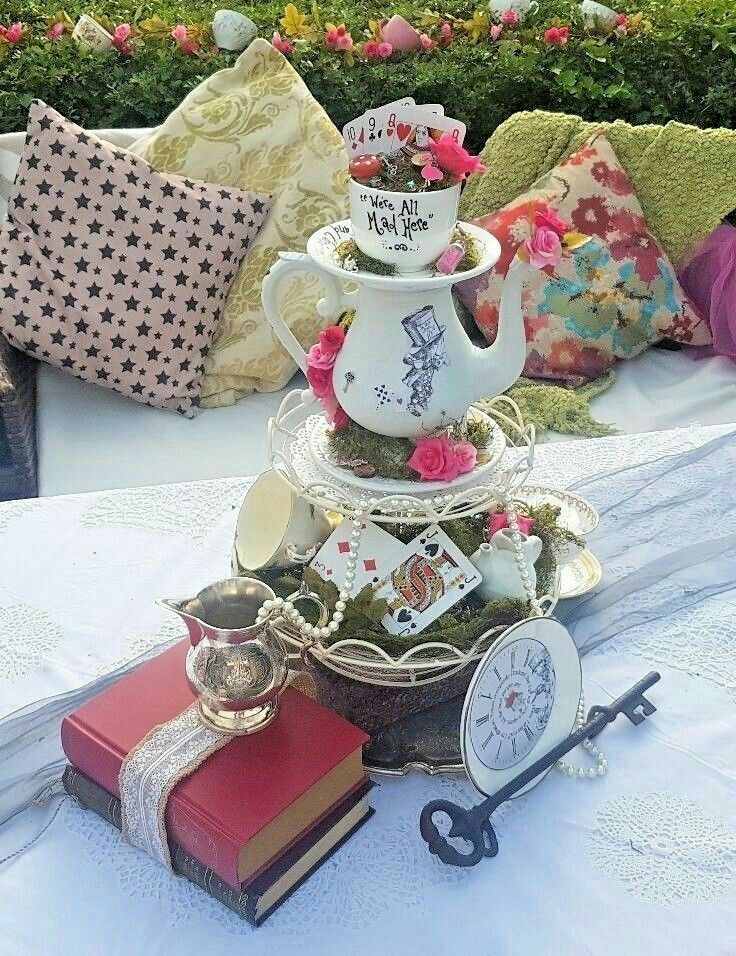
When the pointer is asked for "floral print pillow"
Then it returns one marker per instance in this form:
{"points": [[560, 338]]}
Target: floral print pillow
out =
{"points": [[607, 300]]}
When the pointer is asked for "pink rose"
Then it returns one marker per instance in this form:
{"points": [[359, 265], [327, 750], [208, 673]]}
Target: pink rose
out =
{"points": [[385, 50], [13, 33], [179, 33], [466, 455], [446, 33], [557, 36], [498, 521], [56, 31], [373, 50], [549, 219], [332, 339], [453, 158], [434, 459], [338, 38], [335, 414], [318, 358], [510, 18], [622, 20], [320, 381], [120, 38], [427, 42], [543, 248], [496, 31], [282, 45]]}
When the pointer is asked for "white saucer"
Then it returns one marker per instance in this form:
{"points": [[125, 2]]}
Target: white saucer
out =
{"points": [[317, 432]]}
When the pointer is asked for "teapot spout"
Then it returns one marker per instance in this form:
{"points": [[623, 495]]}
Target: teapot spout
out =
{"points": [[499, 365]]}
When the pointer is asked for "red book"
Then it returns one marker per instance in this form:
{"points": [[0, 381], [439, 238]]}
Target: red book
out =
{"points": [[250, 800]]}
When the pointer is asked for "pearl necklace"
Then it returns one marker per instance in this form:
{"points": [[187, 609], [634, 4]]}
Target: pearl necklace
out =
{"points": [[286, 608], [601, 763]]}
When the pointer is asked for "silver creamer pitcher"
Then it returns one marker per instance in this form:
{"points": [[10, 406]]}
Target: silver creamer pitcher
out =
{"points": [[236, 665]]}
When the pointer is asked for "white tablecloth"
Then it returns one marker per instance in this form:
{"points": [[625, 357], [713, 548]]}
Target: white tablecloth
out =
{"points": [[642, 860]]}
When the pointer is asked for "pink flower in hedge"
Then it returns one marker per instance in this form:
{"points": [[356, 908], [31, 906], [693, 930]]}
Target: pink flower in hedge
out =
{"points": [[557, 36], [434, 459], [496, 31], [445, 34], [56, 31], [543, 248], [335, 414], [498, 521], [453, 158], [120, 38], [283, 46], [181, 36], [338, 39], [466, 455], [332, 338], [12, 34], [375, 50], [427, 42], [320, 381], [510, 18], [548, 218]]}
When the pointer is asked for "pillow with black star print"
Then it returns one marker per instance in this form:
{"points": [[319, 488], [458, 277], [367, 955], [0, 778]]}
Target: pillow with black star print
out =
{"points": [[114, 272]]}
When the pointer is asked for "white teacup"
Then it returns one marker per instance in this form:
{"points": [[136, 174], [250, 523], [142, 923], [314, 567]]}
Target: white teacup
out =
{"points": [[276, 528], [89, 33], [232, 30], [522, 7], [598, 15], [407, 230]]}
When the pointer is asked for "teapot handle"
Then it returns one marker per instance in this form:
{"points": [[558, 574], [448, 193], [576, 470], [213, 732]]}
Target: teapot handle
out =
{"points": [[335, 301]]}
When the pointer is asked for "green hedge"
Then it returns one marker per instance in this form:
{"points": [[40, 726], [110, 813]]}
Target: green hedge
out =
{"points": [[684, 68]]}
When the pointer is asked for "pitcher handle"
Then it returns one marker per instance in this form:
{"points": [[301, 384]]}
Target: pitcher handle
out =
{"points": [[335, 301]]}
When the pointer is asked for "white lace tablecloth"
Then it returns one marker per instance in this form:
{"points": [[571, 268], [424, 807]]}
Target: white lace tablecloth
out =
{"points": [[642, 860]]}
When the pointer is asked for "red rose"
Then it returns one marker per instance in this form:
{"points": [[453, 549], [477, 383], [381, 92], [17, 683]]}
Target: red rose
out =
{"points": [[331, 339], [548, 217]]}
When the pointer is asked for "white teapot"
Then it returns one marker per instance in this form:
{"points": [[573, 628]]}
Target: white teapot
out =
{"points": [[407, 367], [496, 562]]}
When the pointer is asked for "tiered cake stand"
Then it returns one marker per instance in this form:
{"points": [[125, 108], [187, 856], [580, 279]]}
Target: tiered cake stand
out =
{"points": [[298, 450]]}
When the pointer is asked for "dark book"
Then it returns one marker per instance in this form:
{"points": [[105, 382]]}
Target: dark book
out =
{"points": [[258, 899]]}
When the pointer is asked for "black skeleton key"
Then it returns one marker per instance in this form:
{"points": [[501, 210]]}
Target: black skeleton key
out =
{"points": [[474, 824]]}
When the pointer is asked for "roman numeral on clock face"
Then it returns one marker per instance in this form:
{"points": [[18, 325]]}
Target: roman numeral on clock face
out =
{"points": [[529, 732], [513, 746], [479, 721], [486, 741], [497, 673]]}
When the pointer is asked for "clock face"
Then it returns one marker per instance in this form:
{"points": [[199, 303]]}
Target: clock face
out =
{"points": [[512, 703]]}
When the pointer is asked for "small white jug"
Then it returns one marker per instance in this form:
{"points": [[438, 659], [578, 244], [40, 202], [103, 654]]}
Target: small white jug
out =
{"points": [[597, 15], [496, 562]]}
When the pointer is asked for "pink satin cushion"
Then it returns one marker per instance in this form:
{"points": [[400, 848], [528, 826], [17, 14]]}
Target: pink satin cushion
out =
{"points": [[114, 272], [709, 278]]}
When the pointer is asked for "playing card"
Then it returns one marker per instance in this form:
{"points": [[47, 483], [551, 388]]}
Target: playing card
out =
{"points": [[376, 551], [414, 126], [354, 136], [376, 125], [427, 576]]}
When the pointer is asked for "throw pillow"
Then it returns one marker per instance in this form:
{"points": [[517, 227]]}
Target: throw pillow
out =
{"points": [[610, 298], [113, 271], [257, 126], [684, 177]]}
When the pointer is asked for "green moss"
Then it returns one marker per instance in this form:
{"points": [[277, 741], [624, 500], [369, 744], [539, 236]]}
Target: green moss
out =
{"points": [[389, 455], [462, 624]]}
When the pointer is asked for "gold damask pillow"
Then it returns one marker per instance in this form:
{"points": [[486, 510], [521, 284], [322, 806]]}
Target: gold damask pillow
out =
{"points": [[256, 126]]}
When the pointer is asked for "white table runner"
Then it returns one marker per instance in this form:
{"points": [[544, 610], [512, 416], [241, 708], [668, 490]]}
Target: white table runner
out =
{"points": [[642, 860]]}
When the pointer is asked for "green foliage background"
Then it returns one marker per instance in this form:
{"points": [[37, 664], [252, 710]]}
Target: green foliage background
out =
{"points": [[684, 69]]}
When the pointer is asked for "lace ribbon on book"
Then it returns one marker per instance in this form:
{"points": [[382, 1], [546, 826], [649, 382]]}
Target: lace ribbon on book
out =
{"points": [[166, 755]]}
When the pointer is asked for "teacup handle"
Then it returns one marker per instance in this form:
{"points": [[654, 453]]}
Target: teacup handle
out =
{"points": [[304, 594], [335, 301]]}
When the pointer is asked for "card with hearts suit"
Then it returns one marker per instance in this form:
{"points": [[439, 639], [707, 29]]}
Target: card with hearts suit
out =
{"points": [[427, 577]]}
